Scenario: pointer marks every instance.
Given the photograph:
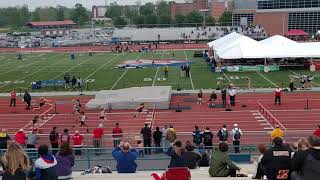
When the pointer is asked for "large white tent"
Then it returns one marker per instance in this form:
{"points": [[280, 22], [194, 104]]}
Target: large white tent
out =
{"points": [[225, 40]]}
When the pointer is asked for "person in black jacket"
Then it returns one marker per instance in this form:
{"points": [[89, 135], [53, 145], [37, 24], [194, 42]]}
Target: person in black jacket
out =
{"points": [[27, 99], [305, 164], [4, 137], [147, 134], [277, 161], [207, 138], [191, 156], [157, 135], [176, 153]]}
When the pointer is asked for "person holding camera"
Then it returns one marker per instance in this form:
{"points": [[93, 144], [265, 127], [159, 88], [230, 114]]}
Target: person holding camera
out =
{"points": [[125, 156]]}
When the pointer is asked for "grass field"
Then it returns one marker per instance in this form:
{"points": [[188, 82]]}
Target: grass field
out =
{"points": [[100, 73]]}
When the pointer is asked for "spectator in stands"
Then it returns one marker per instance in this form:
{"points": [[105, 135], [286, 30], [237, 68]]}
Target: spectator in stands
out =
{"points": [[164, 140], [207, 138], [221, 165], [13, 98], [303, 144], [277, 132], [191, 156], [27, 99], [116, 134], [223, 134], [77, 143], [65, 137], [32, 139], [157, 135], [4, 137], [15, 163], [277, 96], [176, 152], [236, 135], [46, 164], [65, 161], [232, 94], [259, 171], [54, 140], [97, 138], [277, 160], [147, 135], [125, 156], [305, 164], [197, 136], [21, 137], [316, 133], [171, 135], [204, 161]]}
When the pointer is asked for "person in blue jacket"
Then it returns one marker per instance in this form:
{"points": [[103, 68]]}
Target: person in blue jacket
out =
{"points": [[125, 156]]}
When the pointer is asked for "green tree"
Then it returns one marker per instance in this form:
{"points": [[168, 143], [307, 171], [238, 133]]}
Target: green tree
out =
{"points": [[119, 21], [79, 14], [24, 16], [36, 16], [179, 19], [146, 9], [194, 17], [210, 20], [129, 13], [138, 20], [151, 19], [60, 13], [226, 18], [114, 11], [162, 8], [165, 19]]}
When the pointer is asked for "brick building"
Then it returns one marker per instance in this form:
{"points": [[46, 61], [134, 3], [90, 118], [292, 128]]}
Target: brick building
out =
{"points": [[53, 28], [186, 8]]}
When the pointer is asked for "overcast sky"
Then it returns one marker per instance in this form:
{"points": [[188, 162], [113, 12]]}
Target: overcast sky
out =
{"points": [[69, 3]]}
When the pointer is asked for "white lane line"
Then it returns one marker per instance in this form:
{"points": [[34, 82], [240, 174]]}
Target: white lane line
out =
{"points": [[73, 67], [185, 56], [155, 76], [114, 85], [300, 76], [267, 79]]}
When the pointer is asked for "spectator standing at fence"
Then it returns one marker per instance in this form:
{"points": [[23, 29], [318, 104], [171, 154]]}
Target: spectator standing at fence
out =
{"points": [[15, 163], [236, 135], [79, 82], [176, 152], [224, 96], [4, 138], [277, 160], [21, 137], [54, 140], [232, 94], [182, 68], [13, 98], [277, 96], [223, 134], [46, 164], [166, 71], [164, 140], [77, 143], [146, 134], [277, 132], [221, 165], [73, 81], [125, 156], [187, 69], [305, 164], [197, 136], [116, 134], [207, 138], [171, 135], [97, 138], [317, 132], [27, 99], [157, 135], [65, 161], [32, 139], [66, 81], [65, 137]]}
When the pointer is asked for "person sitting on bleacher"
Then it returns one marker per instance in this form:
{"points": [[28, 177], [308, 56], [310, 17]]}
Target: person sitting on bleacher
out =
{"points": [[191, 156], [176, 153], [125, 156], [221, 165]]}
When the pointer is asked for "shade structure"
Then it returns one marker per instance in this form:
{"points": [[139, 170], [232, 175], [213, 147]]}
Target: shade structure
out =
{"points": [[296, 32], [224, 40]]}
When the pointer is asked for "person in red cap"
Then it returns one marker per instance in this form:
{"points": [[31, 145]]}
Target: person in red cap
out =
{"points": [[317, 132], [277, 96]]}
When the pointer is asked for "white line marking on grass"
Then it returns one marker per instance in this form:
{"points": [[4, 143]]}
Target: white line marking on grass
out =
{"points": [[72, 68], [119, 79], [155, 76], [267, 79], [225, 75], [185, 56], [300, 76]]}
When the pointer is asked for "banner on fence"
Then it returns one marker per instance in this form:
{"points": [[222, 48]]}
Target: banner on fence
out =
{"points": [[250, 68]]}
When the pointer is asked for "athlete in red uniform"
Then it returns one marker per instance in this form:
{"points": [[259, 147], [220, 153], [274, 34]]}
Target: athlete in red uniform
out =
{"points": [[140, 109]]}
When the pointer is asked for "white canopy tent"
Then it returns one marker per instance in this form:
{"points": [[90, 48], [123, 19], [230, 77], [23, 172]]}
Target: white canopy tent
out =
{"points": [[224, 40]]}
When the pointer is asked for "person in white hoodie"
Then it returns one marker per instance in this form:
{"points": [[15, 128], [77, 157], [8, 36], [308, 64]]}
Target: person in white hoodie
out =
{"points": [[236, 135]]}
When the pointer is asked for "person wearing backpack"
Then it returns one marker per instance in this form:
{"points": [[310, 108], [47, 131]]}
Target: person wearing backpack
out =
{"points": [[207, 138], [197, 136], [236, 135], [65, 137], [223, 134], [54, 140]]}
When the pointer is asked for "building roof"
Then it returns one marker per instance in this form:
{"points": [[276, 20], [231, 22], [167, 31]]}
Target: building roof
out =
{"points": [[296, 32], [52, 23]]}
